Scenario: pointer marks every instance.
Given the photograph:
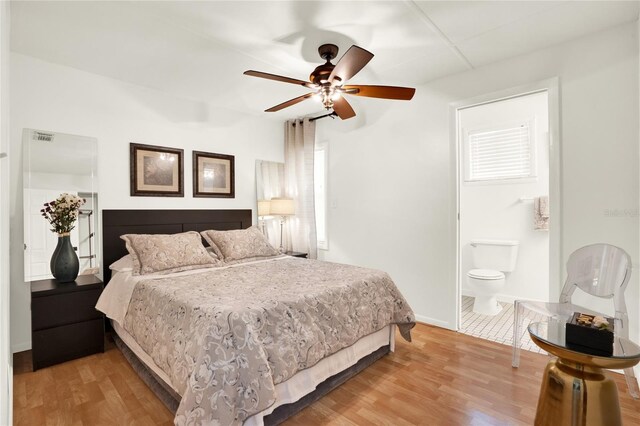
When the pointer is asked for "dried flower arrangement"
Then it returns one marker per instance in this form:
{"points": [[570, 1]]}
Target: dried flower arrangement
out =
{"points": [[62, 212]]}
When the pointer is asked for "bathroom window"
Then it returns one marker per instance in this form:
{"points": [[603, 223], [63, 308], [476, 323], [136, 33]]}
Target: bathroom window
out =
{"points": [[499, 153]]}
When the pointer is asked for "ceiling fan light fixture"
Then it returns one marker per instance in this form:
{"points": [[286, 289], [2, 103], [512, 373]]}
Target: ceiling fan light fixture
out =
{"points": [[327, 82]]}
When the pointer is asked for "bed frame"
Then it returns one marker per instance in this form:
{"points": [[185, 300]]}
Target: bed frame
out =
{"points": [[120, 222]]}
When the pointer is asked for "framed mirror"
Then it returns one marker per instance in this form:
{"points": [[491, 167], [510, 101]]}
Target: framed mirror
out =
{"points": [[269, 184], [57, 163]]}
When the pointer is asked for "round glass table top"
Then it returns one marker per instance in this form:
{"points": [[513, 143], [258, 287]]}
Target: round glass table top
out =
{"points": [[553, 333]]}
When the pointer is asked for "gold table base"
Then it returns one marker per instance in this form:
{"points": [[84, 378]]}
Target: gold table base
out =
{"points": [[576, 391], [574, 394]]}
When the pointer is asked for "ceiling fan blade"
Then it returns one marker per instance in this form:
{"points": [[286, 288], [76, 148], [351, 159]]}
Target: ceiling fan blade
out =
{"points": [[281, 78], [343, 109], [384, 92], [350, 64], [289, 103]]}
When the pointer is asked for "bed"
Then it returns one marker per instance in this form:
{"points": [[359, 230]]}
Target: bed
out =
{"points": [[216, 355]]}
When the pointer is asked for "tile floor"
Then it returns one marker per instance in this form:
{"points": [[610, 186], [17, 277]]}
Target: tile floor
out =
{"points": [[497, 328]]}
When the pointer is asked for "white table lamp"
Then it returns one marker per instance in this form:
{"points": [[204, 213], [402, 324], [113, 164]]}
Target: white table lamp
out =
{"points": [[264, 208], [282, 207]]}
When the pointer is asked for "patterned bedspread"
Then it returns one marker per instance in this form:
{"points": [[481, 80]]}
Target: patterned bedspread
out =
{"points": [[225, 337]]}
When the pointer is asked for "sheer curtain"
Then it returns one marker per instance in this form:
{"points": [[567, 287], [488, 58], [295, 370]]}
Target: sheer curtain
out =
{"points": [[299, 146]]}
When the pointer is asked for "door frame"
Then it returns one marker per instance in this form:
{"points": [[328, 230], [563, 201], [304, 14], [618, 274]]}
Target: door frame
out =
{"points": [[6, 358], [551, 86]]}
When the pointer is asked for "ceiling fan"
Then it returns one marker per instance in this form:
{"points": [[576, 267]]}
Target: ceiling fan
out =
{"points": [[327, 82]]}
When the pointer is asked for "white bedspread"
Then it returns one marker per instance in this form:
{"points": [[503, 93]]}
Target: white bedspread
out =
{"points": [[226, 337], [116, 296]]}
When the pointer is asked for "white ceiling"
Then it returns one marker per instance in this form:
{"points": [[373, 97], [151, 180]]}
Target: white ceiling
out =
{"points": [[199, 50]]}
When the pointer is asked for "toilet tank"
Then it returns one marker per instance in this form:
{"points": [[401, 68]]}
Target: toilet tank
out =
{"points": [[500, 255]]}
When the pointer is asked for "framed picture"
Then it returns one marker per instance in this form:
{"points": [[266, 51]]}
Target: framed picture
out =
{"points": [[213, 175], [156, 171]]}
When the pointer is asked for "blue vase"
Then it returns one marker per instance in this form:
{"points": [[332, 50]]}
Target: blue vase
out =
{"points": [[64, 262]]}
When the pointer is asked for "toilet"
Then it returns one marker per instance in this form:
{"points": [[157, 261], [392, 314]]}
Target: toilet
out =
{"points": [[492, 258]]}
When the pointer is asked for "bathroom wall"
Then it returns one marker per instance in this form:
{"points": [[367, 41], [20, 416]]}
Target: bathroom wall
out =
{"points": [[493, 210]]}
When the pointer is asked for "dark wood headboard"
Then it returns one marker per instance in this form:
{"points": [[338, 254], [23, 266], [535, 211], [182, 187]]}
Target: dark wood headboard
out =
{"points": [[120, 222]]}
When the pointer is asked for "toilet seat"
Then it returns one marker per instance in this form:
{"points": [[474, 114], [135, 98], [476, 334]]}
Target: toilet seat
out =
{"points": [[485, 274]]}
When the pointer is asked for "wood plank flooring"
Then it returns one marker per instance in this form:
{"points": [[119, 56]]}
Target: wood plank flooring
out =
{"points": [[100, 389], [442, 378]]}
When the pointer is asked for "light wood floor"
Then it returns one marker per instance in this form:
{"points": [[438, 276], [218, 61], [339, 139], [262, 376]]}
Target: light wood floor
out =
{"points": [[442, 378]]}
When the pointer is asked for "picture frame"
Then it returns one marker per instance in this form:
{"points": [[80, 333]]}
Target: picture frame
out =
{"points": [[156, 171], [213, 175]]}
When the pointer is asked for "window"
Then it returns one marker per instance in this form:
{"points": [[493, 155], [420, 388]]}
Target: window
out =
{"points": [[499, 153], [321, 161]]}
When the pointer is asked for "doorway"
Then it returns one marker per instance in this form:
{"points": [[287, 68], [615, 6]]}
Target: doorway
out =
{"points": [[507, 193]]}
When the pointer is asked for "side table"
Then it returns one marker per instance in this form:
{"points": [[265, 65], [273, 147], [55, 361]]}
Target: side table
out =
{"points": [[64, 321], [575, 388]]}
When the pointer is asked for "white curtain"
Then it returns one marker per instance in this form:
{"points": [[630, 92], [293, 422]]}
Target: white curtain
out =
{"points": [[299, 146]]}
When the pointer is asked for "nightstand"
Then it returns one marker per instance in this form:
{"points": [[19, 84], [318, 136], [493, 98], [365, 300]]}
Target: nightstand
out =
{"points": [[64, 321], [296, 254]]}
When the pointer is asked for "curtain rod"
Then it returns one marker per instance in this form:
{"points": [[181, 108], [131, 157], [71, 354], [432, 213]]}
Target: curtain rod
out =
{"points": [[331, 114]]}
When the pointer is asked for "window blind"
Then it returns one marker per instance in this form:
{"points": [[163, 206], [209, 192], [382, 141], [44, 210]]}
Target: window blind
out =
{"points": [[500, 153]]}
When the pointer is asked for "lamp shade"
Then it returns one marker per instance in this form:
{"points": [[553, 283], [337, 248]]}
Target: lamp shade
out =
{"points": [[282, 207], [264, 207]]}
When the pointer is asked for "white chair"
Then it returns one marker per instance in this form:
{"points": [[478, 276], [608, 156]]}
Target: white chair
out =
{"points": [[601, 270]]}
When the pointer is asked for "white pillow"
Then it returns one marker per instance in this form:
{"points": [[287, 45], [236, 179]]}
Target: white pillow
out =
{"points": [[124, 264]]}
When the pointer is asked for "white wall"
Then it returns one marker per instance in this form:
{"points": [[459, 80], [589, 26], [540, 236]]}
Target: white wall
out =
{"points": [[6, 361], [492, 210], [391, 186], [51, 97]]}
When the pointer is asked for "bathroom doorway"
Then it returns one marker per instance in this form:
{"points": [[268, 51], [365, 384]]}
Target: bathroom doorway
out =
{"points": [[507, 189]]}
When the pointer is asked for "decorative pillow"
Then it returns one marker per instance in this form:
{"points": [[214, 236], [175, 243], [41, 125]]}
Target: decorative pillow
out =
{"points": [[253, 259], [124, 264], [213, 252], [240, 243], [213, 249], [163, 254]]}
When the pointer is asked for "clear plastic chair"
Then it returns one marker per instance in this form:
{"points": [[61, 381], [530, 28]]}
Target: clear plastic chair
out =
{"points": [[601, 270]]}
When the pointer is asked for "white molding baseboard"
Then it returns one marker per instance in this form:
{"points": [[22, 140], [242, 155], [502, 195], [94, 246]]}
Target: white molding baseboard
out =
{"points": [[467, 292], [436, 322], [505, 298], [20, 347]]}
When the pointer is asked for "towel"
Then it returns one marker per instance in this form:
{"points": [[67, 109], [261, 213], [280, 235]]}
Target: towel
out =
{"points": [[541, 213]]}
